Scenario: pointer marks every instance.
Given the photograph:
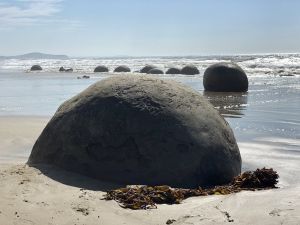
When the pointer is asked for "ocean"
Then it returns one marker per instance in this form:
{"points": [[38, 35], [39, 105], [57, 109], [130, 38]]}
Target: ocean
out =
{"points": [[265, 120]]}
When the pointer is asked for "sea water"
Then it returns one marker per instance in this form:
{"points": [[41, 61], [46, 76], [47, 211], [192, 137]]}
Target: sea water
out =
{"points": [[265, 120]]}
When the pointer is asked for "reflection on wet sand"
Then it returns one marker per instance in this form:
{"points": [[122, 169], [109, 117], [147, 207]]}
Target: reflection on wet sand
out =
{"points": [[229, 104]]}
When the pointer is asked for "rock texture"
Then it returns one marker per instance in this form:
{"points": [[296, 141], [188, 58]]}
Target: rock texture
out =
{"points": [[155, 71], [190, 70], [147, 68], [225, 77], [124, 69], [101, 69], [173, 71], [136, 129], [36, 68]]}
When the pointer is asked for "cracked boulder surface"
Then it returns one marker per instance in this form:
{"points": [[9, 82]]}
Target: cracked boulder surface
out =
{"points": [[136, 129]]}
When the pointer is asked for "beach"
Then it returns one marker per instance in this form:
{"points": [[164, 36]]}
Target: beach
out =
{"points": [[265, 122]]}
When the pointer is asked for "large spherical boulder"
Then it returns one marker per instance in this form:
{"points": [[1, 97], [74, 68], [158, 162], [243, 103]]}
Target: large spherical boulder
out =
{"points": [[36, 68], [140, 130], [225, 77], [101, 69], [173, 71], [190, 70], [147, 68], [120, 69], [155, 71]]}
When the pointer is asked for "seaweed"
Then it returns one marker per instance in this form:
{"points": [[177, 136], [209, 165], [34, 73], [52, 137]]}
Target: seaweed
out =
{"points": [[147, 197]]}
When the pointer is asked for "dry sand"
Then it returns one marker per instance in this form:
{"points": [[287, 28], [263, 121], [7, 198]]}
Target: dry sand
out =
{"points": [[49, 196]]}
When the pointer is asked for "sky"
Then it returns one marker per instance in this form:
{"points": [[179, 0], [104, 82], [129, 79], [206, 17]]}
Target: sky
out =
{"points": [[149, 27]]}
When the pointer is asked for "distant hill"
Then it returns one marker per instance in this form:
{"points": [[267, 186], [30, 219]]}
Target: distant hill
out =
{"points": [[35, 55]]}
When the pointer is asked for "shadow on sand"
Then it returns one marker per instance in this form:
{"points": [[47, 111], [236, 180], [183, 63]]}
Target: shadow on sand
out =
{"points": [[74, 179], [229, 104]]}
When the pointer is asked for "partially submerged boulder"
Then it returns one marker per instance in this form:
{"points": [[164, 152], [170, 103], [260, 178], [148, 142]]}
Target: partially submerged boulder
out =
{"points": [[101, 69], [140, 130], [173, 71], [190, 70], [62, 69], [36, 68], [155, 71], [225, 77], [147, 68], [124, 69]]}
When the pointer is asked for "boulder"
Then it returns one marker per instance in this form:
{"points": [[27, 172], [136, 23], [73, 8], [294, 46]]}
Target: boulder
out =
{"points": [[225, 77], [173, 71], [124, 69], [190, 70], [69, 70], [62, 69], [155, 71], [101, 69], [138, 129], [36, 68], [147, 68]]}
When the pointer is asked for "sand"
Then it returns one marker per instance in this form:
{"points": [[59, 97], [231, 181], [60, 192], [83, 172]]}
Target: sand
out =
{"points": [[54, 197]]}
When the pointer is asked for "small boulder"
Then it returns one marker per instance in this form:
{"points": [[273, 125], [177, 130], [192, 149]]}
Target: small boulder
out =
{"points": [[101, 69], [62, 69], [225, 77], [155, 71], [69, 70], [36, 68], [138, 129], [173, 71], [122, 69], [147, 68], [190, 70]]}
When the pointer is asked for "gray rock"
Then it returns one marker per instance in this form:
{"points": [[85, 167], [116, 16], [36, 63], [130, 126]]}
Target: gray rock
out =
{"points": [[36, 68], [62, 69], [124, 69], [147, 68], [173, 71], [101, 69], [190, 70], [69, 70], [136, 129], [225, 77], [155, 71]]}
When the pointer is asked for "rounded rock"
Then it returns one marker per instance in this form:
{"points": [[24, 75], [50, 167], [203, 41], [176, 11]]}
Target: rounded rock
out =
{"points": [[225, 77], [155, 71], [140, 130], [190, 70], [120, 69], [101, 69], [62, 69], [36, 68], [173, 71], [147, 68]]}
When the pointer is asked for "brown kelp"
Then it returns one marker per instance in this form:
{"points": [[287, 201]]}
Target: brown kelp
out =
{"points": [[146, 197]]}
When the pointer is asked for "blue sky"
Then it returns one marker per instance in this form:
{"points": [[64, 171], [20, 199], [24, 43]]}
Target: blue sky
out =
{"points": [[149, 27]]}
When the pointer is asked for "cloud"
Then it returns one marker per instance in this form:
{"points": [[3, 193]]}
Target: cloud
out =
{"points": [[20, 13]]}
